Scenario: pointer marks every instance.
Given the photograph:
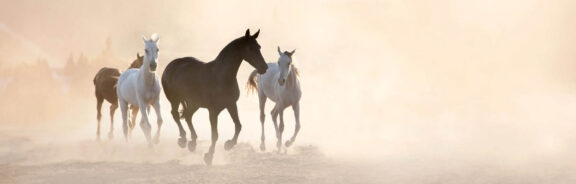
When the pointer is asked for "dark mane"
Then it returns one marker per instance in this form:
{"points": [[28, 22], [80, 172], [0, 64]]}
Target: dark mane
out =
{"points": [[232, 45]]}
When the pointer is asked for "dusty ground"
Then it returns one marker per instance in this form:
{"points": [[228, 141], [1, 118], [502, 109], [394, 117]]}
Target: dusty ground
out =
{"points": [[24, 160]]}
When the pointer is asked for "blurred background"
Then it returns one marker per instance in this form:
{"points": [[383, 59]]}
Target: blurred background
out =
{"points": [[483, 80]]}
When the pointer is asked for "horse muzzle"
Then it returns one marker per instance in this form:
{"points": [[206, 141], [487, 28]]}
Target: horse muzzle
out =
{"points": [[153, 66], [262, 69], [281, 82]]}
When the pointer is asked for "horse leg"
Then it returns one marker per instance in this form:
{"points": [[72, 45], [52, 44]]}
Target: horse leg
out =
{"points": [[296, 109], [159, 121], [274, 114], [144, 122], [113, 108], [280, 127], [233, 111], [133, 116], [99, 101], [262, 100], [188, 112], [208, 157], [176, 117], [124, 110]]}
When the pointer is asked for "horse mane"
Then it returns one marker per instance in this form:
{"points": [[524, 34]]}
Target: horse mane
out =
{"points": [[295, 69]]}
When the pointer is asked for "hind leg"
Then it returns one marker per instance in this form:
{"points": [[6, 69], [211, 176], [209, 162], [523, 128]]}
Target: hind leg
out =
{"points": [[99, 101], [296, 109], [188, 113], [113, 108], [133, 116], [262, 101], [176, 117]]}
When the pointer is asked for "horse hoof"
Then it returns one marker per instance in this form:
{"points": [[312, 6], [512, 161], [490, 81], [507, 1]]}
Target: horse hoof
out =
{"points": [[110, 135], [182, 142], [229, 145], [208, 159], [262, 147], [191, 146], [156, 140], [288, 143]]}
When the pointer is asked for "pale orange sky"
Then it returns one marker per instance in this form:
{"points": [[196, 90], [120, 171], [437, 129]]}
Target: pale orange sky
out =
{"points": [[453, 72]]}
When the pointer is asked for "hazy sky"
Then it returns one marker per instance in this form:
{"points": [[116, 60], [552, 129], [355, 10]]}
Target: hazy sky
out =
{"points": [[414, 74]]}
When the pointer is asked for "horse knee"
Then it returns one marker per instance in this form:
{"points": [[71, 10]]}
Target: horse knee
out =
{"points": [[99, 116], [262, 117], [175, 114]]}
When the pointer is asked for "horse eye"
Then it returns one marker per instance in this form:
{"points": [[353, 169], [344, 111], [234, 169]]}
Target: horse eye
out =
{"points": [[146, 50]]}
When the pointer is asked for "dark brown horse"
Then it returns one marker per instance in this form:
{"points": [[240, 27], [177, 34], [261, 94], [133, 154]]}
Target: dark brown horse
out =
{"points": [[212, 85], [105, 89]]}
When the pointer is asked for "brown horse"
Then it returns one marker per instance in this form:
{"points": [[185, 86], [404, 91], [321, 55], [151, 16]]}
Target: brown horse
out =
{"points": [[213, 85], [105, 84]]}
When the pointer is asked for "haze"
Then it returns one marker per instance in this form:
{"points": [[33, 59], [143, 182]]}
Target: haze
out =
{"points": [[483, 81]]}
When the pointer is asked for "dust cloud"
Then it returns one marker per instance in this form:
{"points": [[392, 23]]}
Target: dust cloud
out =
{"points": [[474, 91]]}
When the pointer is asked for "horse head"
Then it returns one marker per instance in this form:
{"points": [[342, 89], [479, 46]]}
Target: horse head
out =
{"points": [[285, 65], [251, 52], [151, 52]]}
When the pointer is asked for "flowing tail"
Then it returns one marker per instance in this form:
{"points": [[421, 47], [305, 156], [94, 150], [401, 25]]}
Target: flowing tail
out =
{"points": [[251, 84]]}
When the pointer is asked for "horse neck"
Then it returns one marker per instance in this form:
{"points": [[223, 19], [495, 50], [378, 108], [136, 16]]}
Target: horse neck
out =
{"points": [[292, 79], [228, 62], [145, 73]]}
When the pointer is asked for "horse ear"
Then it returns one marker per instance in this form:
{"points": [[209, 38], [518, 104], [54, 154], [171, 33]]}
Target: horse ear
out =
{"points": [[247, 35], [144, 38], [279, 51], [292, 53], [137, 54], [256, 35], [155, 38]]}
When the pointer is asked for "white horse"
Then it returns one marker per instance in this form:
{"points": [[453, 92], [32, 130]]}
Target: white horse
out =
{"points": [[140, 87], [280, 84]]}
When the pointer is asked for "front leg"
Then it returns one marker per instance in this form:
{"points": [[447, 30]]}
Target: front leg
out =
{"points": [[296, 108], [159, 121], [213, 113], [144, 122], [280, 128], [113, 108], [233, 110]]}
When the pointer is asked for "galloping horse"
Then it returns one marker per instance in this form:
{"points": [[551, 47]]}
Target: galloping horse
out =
{"points": [[105, 89], [212, 85], [141, 88], [280, 84]]}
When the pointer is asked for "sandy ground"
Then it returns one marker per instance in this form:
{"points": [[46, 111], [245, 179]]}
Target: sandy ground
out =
{"points": [[25, 160]]}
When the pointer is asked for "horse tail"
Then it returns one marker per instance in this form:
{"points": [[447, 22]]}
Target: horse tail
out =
{"points": [[251, 84]]}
